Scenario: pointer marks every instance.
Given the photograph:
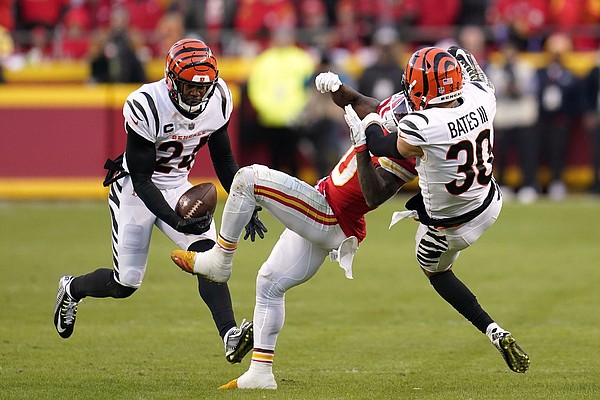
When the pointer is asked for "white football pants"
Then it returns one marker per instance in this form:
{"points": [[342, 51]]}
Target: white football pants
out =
{"points": [[312, 232], [431, 242], [132, 225]]}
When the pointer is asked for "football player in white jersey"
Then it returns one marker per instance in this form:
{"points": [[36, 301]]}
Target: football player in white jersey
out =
{"points": [[450, 132], [167, 123]]}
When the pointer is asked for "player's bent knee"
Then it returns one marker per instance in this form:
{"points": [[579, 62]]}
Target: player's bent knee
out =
{"points": [[268, 289], [243, 177], [249, 175], [131, 279], [122, 292], [243, 182]]}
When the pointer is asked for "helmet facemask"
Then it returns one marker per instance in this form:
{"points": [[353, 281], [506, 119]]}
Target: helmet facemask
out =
{"points": [[188, 105], [394, 109]]}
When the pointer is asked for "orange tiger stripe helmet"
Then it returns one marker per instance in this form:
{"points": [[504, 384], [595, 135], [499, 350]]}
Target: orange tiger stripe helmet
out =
{"points": [[432, 76], [190, 62]]}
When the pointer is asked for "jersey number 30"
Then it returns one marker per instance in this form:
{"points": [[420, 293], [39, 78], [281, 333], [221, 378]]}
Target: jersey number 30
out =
{"points": [[475, 166]]}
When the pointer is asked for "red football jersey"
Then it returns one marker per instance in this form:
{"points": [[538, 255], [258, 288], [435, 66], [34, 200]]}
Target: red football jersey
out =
{"points": [[343, 193]]}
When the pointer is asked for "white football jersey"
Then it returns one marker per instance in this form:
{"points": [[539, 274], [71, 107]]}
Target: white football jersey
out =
{"points": [[456, 169], [151, 114]]}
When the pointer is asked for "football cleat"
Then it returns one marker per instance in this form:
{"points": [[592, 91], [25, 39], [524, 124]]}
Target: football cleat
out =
{"points": [[514, 356], [229, 385], [65, 309], [213, 264], [184, 260], [252, 380], [239, 341]]}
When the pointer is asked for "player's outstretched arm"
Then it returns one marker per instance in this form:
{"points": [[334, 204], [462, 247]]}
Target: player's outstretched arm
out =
{"points": [[342, 94], [376, 184]]}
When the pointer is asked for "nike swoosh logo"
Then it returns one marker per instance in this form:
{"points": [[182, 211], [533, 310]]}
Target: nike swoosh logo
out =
{"points": [[60, 329], [135, 121]]}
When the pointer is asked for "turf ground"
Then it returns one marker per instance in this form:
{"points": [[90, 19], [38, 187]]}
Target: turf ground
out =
{"points": [[384, 335]]}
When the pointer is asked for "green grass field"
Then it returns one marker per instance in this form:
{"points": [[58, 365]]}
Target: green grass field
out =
{"points": [[384, 335]]}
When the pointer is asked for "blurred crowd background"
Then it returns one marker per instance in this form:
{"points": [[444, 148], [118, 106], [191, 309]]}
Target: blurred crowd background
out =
{"points": [[540, 54]]}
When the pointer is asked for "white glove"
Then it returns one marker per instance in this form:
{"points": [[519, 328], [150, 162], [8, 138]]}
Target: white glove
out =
{"points": [[357, 130], [358, 127], [327, 82]]}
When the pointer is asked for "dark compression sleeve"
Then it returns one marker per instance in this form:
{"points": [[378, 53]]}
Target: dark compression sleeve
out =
{"points": [[141, 160], [451, 289], [222, 157], [382, 145]]}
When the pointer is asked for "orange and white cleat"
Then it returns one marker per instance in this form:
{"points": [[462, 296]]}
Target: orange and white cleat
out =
{"points": [[229, 385], [184, 260]]}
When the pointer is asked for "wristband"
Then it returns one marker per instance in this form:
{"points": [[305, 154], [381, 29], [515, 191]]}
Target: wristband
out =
{"points": [[372, 118]]}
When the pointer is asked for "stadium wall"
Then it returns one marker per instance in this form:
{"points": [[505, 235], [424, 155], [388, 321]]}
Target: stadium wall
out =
{"points": [[58, 131], [57, 138]]}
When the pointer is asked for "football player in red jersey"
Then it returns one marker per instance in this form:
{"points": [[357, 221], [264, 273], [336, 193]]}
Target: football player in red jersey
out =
{"points": [[326, 219], [167, 123]]}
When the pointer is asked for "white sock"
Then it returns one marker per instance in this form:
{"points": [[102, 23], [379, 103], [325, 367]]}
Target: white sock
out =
{"points": [[260, 368], [491, 329], [257, 377], [229, 332]]}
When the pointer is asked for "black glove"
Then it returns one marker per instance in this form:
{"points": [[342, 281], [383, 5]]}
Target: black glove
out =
{"points": [[255, 226], [194, 226]]}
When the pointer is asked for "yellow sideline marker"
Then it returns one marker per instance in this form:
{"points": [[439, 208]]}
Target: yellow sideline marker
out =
{"points": [[52, 188], [577, 178], [61, 188]]}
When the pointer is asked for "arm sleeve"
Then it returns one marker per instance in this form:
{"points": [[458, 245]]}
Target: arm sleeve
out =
{"points": [[141, 159], [382, 145], [222, 157]]}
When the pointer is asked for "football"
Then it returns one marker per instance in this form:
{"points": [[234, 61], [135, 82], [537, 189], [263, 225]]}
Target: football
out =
{"points": [[197, 201]]}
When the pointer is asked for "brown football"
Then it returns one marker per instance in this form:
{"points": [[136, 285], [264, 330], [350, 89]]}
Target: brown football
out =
{"points": [[197, 201]]}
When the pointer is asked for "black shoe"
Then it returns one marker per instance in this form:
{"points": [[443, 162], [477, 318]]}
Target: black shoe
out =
{"points": [[516, 359], [65, 309], [239, 342]]}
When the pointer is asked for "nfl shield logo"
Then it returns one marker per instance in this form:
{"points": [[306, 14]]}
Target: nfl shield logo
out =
{"points": [[191, 125]]}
